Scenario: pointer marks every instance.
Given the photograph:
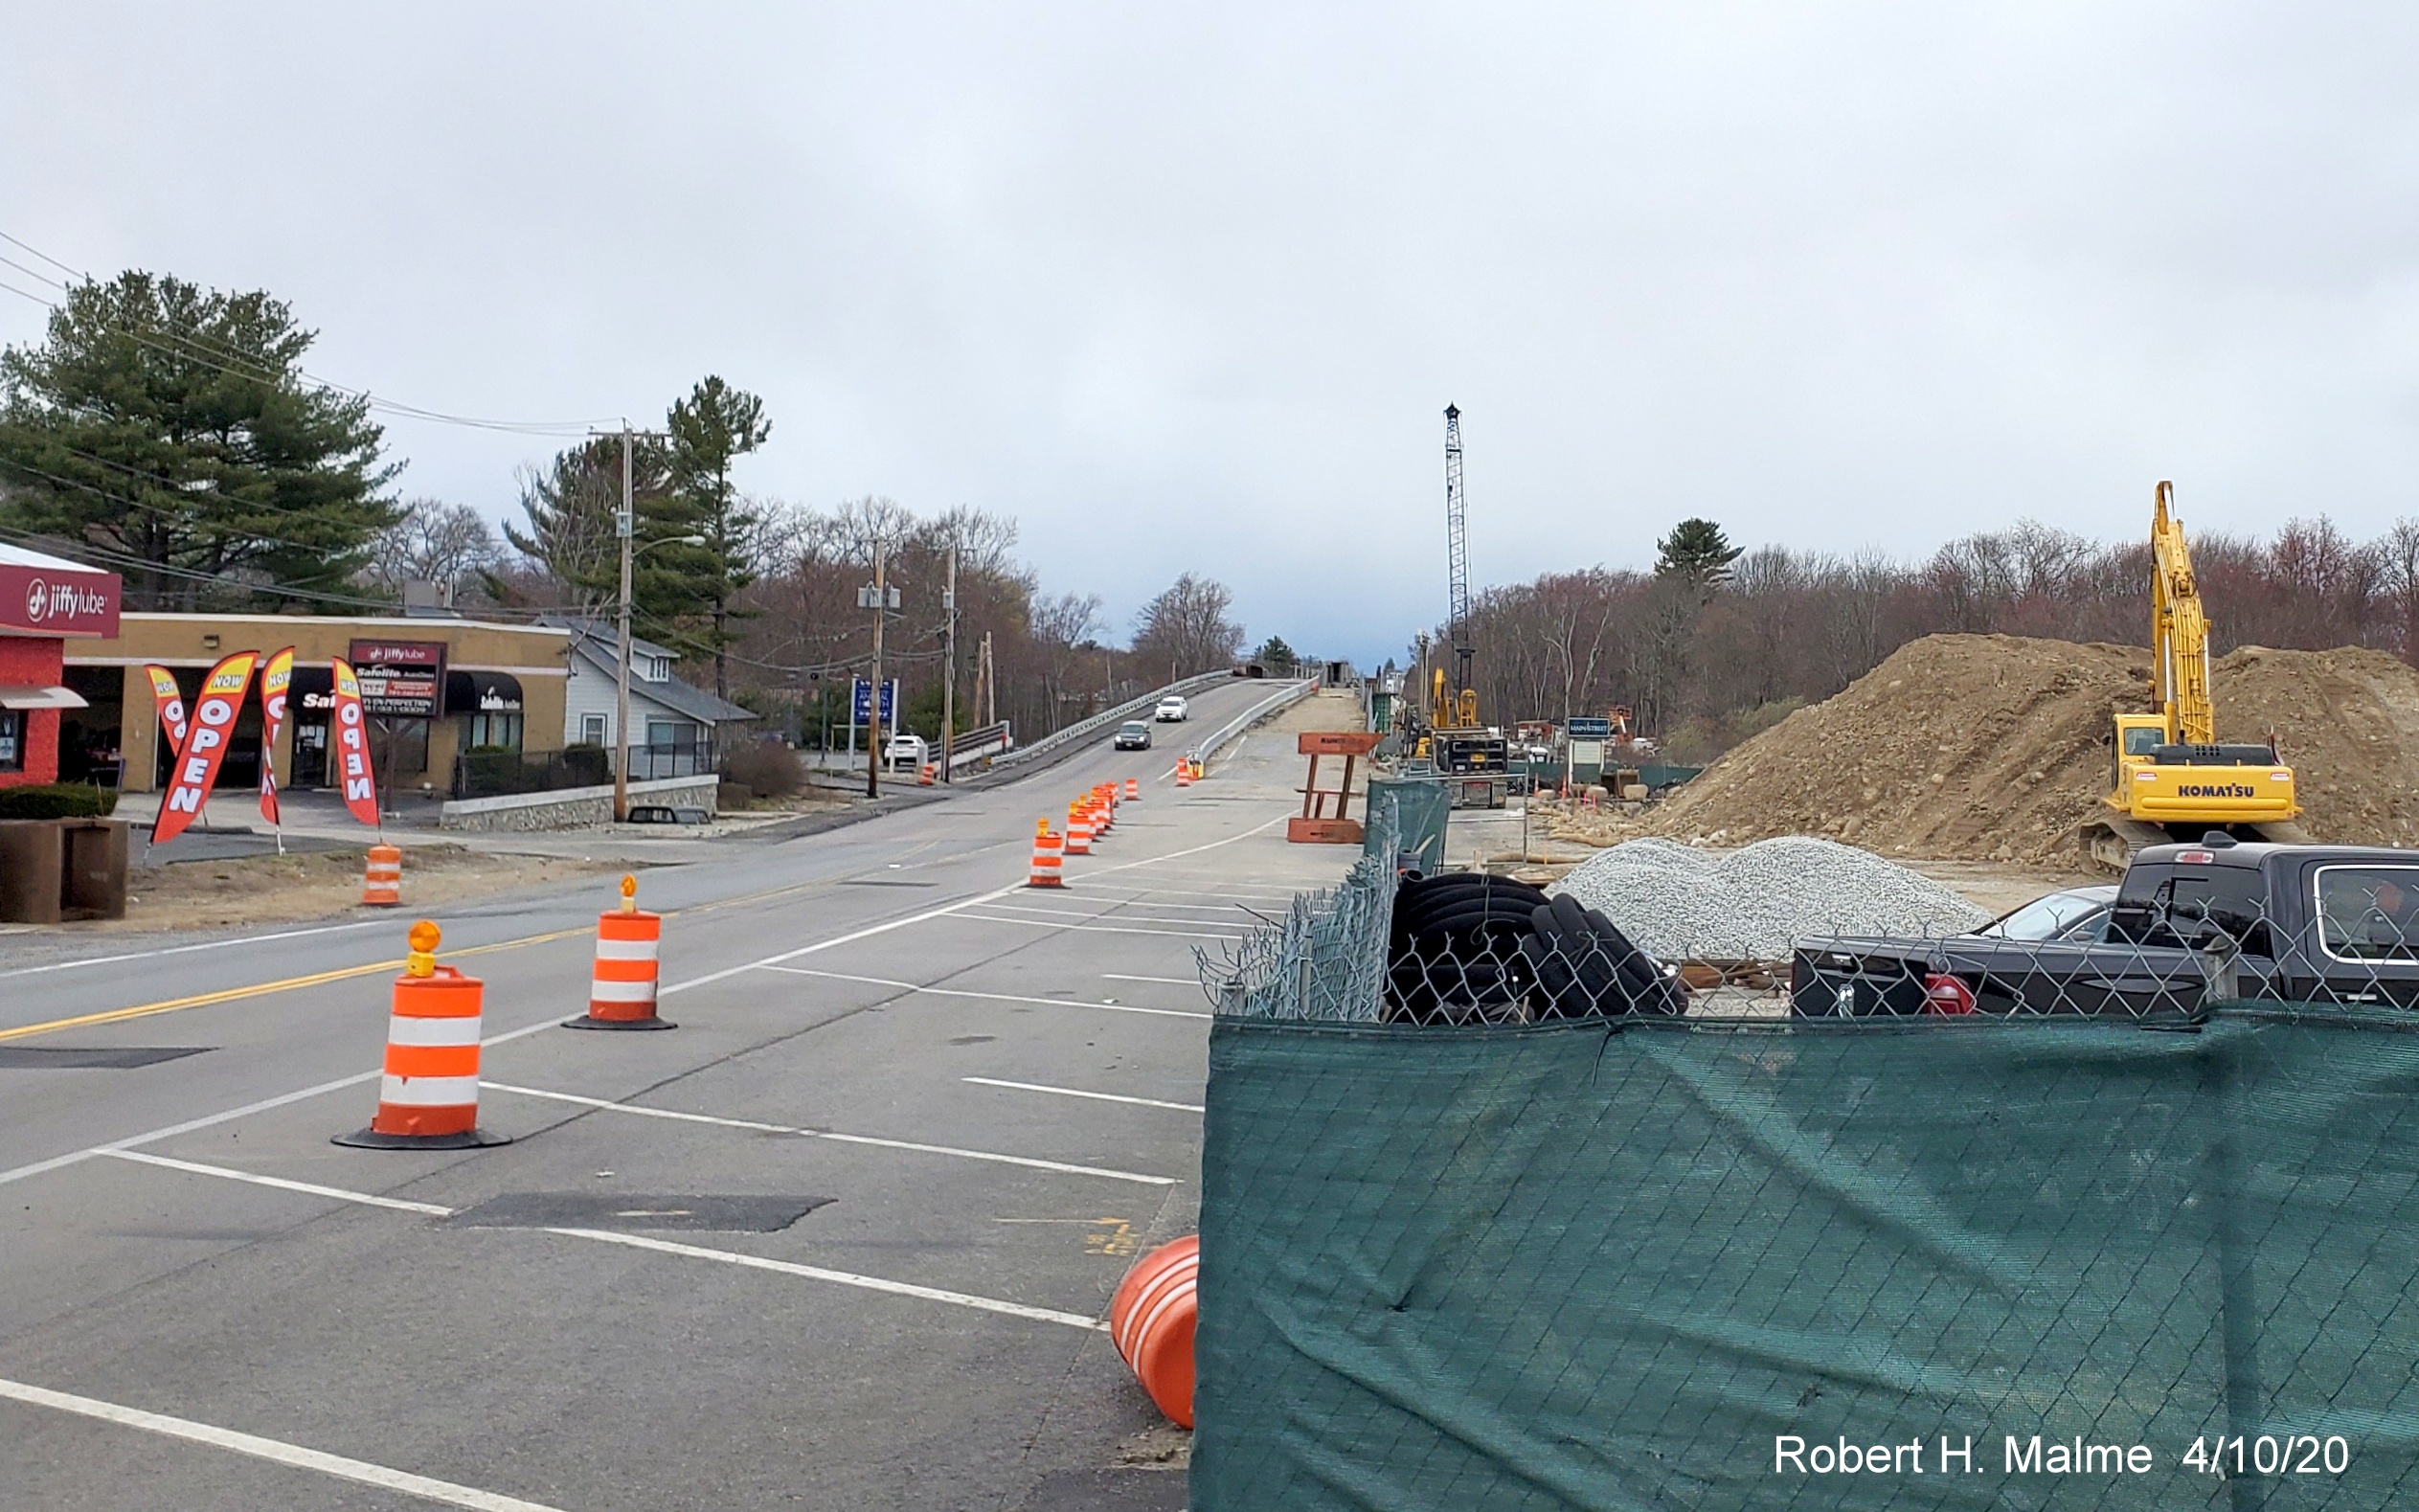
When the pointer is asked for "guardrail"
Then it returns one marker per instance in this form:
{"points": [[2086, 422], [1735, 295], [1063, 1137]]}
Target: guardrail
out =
{"points": [[1295, 694], [1099, 722]]}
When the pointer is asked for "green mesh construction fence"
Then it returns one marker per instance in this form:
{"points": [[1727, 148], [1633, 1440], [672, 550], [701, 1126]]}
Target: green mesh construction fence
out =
{"points": [[1956, 1264]]}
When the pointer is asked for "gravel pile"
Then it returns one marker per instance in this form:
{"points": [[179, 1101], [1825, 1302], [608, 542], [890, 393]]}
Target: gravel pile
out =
{"points": [[1681, 903]]}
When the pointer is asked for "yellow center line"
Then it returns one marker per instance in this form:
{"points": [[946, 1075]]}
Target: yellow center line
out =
{"points": [[263, 989]]}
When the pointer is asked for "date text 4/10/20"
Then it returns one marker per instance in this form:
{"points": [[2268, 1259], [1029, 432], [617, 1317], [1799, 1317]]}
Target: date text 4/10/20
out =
{"points": [[2294, 1455]]}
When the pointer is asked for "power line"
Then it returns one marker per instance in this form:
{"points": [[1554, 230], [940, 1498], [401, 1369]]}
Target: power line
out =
{"points": [[212, 355], [317, 548]]}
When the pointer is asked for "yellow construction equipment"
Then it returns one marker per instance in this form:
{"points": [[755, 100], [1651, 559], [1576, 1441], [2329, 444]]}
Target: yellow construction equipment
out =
{"points": [[2171, 777]]}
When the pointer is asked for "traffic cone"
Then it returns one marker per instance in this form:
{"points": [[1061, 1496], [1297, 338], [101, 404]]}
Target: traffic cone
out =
{"points": [[1078, 840], [1133, 790], [1184, 772], [1048, 850], [622, 994], [382, 878], [429, 1098], [1151, 1323]]}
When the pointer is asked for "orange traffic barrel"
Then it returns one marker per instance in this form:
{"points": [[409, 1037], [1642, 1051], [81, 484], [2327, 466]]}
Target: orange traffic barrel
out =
{"points": [[925, 773], [1133, 790], [621, 993], [1049, 852], [1151, 1322], [428, 1098], [1184, 772], [1078, 840], [382, 878]]}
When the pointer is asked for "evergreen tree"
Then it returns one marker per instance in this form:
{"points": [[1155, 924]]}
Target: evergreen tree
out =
{"points": [[571, 508], [1275, 655], [1696, 552], [712, 428], [170, 430]]}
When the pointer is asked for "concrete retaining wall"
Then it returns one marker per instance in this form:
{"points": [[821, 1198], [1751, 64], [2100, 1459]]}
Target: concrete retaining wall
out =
{"points": [[574, 807]]}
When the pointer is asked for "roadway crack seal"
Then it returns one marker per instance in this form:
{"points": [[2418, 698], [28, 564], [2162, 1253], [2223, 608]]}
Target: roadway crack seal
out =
{"points": [[694, 1213]]}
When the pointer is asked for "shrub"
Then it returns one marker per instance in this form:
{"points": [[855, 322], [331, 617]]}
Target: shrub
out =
{"points": [[57, 801], [766, 767]]}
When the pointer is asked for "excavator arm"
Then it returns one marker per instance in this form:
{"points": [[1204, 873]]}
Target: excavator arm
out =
{"points": [[2179, 631]]}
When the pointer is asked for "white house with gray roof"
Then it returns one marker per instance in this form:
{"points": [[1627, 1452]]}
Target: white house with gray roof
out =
{"points": [[676, 729]]}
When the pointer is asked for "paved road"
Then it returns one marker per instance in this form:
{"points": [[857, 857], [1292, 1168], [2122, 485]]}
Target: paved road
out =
{"points": [[986, 1099]]}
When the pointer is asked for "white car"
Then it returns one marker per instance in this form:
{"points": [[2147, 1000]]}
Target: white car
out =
{"points": [[1172, 710], [907, 753]]}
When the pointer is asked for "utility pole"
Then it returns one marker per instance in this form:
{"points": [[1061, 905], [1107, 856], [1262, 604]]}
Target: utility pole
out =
{"points": [[881, 598], [623, 526], [990, 683], [949, 662]]}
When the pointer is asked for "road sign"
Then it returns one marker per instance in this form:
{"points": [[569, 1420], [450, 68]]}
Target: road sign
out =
{"points": [[861, 701], [1584, 727]]}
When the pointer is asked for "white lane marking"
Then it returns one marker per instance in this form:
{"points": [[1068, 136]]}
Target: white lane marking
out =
{"points": [[272, 1450], [995, 997], [282, 1184], [1071, 1091], [1173, 981], [179, 950], [848, 938], [1227, 908], [832, 1135], [1108, 914], [1096, 928], [58, 1161], [870, 1283]]}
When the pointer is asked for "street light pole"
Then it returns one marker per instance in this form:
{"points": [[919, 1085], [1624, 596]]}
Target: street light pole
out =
{"points": [[949, 662], [874, 703]]}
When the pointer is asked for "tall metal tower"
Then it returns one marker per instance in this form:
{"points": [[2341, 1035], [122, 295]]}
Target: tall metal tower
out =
{"points": [[1457, 571]]}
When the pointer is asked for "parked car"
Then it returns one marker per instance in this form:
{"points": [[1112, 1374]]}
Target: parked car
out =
{"points": [[1133, 735], [2072, 914], [2296, 923], [907, 753], [1172, 710]]}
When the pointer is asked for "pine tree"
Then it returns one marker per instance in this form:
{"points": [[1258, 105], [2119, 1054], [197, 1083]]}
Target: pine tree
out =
{"points": [[170, 430], [1696, 552], [712, 428]]}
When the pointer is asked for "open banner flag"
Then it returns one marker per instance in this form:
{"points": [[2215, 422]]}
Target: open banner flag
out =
{"points": [[205, 744], [275, 678], [169, 701], [352, 746]]}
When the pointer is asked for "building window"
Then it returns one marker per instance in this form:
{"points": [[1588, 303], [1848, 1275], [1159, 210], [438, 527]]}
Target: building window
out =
{"points": [[12, 740], [659, 735], [494, 732], [591, 730]]}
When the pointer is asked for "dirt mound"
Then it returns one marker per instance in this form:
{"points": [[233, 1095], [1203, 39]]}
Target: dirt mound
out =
{"points": [[1994, 747]]}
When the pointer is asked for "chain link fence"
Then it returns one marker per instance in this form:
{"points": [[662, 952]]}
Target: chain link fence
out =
{"points": [[1500, 1211]]}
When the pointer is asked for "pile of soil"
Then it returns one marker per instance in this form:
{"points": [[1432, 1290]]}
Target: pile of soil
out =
{"points": [[1991, 747]]}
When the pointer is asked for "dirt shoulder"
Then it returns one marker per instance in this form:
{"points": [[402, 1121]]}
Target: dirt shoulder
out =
{"points": [[296, 889]]}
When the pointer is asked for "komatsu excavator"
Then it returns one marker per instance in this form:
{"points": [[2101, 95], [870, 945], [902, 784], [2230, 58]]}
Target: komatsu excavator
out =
{"points": [[2171, 777]]}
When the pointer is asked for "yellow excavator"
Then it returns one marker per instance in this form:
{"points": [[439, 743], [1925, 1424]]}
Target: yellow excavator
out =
{"points": [[2171, 777]]}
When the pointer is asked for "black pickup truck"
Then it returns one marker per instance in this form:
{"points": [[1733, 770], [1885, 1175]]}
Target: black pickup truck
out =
{"points": [[2296, 923]]}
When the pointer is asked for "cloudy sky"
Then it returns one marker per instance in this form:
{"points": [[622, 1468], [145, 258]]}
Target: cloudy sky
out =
{"points": [[1186, 287]]}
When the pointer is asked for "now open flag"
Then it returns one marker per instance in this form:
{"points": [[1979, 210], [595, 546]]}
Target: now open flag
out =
{"points": [[205, 745], [352, 746], [169, 701], [276, 677]]}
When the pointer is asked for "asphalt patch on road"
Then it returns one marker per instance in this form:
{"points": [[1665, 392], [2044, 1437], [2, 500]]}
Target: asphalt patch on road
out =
{"points": [[691, 1212], [129, 1057]]}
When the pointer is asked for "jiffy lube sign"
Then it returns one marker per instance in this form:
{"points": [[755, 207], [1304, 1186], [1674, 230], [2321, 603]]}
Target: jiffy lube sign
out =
{"points": [[62, 601]]}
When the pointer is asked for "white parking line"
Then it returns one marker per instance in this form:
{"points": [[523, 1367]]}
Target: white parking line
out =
{"points": [[1071, 1091], [272, 1450], [282, 1184], [870, 1283], [996, 997], [751, 1125], [1093, 929]]}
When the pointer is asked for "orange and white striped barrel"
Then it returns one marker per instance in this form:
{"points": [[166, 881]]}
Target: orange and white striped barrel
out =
{"points": [[925, 773], [428, 1096], [1184, 772], [1133, 789], [1049, 851], [622, 992], [1151, 1323], [382, 877], [1078, 840]]}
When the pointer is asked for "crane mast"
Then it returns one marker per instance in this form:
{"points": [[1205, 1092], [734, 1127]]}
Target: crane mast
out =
{"points": [[1458, 710]]}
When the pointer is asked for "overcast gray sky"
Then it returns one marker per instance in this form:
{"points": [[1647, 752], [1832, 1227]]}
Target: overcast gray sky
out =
{"points": [[1187, 286]]}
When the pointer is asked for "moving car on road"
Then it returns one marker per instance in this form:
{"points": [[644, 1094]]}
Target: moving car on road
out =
{"points": [[1172, 709], [1133, 735], [2218, 919]]}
